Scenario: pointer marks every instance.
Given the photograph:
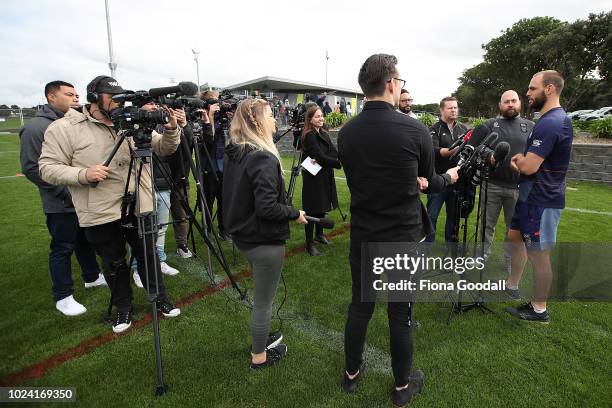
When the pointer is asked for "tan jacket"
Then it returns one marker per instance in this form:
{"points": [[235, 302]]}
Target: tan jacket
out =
{"points": [[78, 141]]}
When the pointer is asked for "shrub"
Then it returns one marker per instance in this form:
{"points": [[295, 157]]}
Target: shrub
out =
{"points": [[427, 119], [601, 128], [335, 119], [478, 121], [581, 125]]}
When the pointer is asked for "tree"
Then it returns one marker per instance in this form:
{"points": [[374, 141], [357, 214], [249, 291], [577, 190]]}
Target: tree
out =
{"points": [[579, 51], [14, 107], [4, 107]]}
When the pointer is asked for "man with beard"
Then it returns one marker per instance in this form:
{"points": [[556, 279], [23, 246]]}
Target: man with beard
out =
{"points": [[503, 182], [543, 169], [405, 104]]}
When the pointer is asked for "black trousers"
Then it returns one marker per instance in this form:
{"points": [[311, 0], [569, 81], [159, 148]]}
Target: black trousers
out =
{"points": [[213, 191], [109, 241], [359, 315], [311, 226]]}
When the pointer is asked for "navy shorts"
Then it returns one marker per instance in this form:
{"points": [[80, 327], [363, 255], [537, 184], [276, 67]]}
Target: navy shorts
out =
{"points": [[537, 225]]}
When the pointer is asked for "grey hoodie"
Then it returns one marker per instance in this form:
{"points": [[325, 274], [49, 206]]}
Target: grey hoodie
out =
{"points": [[55, 199]]}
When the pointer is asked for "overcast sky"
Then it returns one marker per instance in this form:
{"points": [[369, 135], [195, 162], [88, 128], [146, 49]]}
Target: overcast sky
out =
{"points": [[435, 41]]}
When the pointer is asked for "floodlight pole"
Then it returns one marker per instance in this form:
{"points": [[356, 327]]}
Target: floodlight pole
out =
{"points": [[196, 54], [326, 59], [111, 64]]}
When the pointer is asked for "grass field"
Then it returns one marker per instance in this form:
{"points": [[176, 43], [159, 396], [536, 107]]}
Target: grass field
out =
{"points": [[476, 361]]}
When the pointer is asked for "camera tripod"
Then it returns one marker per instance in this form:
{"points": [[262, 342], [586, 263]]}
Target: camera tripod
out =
{"points": [[463, 207]]}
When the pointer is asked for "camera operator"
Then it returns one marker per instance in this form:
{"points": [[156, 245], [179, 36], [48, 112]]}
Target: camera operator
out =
{"points": [[318, 191], [62, 222], [180, 168], [383, 152], [258, 217], [502, 191], [213, 170], [73, 149], [162, 196], [443, 134]]}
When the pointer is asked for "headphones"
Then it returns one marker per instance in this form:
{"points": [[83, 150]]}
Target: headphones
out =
{"points": [[92, 95]]}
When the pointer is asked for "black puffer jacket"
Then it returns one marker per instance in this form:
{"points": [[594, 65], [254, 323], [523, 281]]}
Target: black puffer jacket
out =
{"points": [[255, 209]]}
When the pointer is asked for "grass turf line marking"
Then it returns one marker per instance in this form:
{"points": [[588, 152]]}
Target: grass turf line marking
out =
{"points": [[39, 369], [585, 211]]}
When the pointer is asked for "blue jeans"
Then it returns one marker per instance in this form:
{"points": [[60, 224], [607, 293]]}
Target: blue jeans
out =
{"points": [[434, 205], [67, 237], [163, 216]]}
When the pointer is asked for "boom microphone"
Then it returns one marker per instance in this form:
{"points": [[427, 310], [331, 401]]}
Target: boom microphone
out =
{"points": [[323, 222], [183, 88]]}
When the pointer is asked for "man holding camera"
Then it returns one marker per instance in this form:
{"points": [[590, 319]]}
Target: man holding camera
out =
{"points": [[443, 134], [72, 154], [62, 222], [502, 189], [383, 153]]}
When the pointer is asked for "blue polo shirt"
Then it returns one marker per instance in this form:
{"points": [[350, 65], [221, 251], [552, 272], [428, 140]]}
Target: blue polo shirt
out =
{"points": [[550, 139]]}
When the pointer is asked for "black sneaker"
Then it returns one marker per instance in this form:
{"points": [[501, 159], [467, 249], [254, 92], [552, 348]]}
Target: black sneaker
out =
{"points": [[415, 384], [123, 321], [526, 312], [322, 240], [513, 293], [350, 386], [273, 356], [168, 309], [274, 339]]}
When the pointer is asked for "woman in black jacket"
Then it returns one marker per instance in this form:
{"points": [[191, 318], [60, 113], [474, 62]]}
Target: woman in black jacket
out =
{"points": [[318, 191], [257, 216]]}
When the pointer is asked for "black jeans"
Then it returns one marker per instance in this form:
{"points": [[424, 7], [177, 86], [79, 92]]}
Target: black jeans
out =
{"points": [[66, 238], [213, 191], [109, 240], [310, 227], [359, 315]]}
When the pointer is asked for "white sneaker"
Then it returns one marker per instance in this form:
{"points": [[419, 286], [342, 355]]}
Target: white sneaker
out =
{"points": [[70, 307], [184, 252], [98, 282], [167, 269], [137, 280]]}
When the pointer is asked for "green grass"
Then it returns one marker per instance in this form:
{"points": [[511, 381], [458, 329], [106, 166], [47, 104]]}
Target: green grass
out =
{"points": [[10, 123], [477, 360]]}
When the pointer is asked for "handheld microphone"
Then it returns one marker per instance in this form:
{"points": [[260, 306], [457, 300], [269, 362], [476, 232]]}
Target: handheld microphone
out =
{"points": [[491, 139], [460, 143], [478, 135], [323, 222], [501, 151], [183, 88]]}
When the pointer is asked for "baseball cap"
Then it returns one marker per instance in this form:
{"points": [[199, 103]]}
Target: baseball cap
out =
{"points": [[107, 85]]}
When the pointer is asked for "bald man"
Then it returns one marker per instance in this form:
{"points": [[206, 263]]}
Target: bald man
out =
{"points": [[503, 182]]}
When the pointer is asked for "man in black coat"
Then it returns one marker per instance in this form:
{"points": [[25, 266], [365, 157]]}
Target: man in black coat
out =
{"points": [[383, 153]]}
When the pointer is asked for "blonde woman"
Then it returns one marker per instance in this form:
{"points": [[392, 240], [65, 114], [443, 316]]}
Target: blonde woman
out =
{"points": [[257, 216]]}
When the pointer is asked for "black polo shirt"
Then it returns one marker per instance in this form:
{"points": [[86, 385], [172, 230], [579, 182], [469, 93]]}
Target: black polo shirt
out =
{"points": [[442, 136]]}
